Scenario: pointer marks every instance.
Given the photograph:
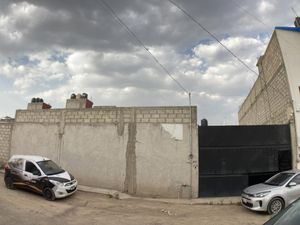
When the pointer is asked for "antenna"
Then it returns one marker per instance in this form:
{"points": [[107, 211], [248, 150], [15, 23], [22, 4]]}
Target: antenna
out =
{"points": [[294, 11]]}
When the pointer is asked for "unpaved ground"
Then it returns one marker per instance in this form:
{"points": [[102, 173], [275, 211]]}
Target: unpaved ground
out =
{"points": [[22, 207]]}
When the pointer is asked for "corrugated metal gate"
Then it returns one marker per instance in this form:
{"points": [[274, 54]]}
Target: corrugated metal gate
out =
{"points": [[234, 157]]}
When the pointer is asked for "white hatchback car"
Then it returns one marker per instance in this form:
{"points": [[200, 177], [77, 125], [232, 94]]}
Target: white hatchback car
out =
{"points": [[39, 174]]}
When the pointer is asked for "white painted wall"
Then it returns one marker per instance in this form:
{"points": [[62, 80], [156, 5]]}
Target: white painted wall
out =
{"points": [[290, 47]]}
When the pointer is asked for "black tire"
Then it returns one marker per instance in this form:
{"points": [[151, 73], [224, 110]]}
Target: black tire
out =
{"points": [[49, 194], [9, 183], [275, 205]]}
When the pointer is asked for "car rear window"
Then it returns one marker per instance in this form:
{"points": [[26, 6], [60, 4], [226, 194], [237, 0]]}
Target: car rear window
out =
{"points": [[17, 163]]}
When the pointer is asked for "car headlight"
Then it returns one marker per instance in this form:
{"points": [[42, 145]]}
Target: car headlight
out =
{"points": [[262, 194], [56, 183]]}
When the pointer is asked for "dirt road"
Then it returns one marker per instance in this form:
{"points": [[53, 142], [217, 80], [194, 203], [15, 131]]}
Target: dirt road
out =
{"points": [[22, 207]]}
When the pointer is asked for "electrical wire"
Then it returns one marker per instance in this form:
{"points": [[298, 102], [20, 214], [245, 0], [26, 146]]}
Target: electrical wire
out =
{"points": [[224, 46], [130, 32], [213, 36], [250, 14]]}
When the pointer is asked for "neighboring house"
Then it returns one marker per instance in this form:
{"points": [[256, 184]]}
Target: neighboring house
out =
{"points": [[275, 96]]}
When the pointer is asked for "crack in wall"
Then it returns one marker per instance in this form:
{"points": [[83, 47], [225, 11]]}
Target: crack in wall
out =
{"points": [[61, 132], [130, 183], [120, 122]]}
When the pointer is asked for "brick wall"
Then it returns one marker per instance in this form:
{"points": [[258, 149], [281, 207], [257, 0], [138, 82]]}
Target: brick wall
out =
{"points": [[269, 101], [109, 115], [5, 137]]}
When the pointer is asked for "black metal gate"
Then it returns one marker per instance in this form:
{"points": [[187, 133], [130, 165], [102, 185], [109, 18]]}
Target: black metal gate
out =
{"points": [[234, 157]]}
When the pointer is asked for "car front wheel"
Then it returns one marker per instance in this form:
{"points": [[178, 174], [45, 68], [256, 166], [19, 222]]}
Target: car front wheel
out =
{"points": [[49, 194], [275, 205]]}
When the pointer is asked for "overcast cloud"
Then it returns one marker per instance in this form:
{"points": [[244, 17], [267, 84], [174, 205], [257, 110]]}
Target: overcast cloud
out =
{"points": [[52, 48]]}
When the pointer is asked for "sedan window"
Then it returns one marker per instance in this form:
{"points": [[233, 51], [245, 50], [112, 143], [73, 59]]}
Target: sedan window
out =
{"points": [[279, 179], [296, 179]]}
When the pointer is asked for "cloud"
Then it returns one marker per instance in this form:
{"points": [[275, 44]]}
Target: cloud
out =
{"points": [[51, 49]]}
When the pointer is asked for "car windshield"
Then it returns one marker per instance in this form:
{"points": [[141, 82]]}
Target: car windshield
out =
{"points": [[279, 179], [290, 215], [49, 167]]}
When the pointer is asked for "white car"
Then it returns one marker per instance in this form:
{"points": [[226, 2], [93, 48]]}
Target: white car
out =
{"points": [[274, 194], [39, 174]]}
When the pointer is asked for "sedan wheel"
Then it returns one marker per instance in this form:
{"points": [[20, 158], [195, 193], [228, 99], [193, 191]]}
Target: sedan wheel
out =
{"points": [[275, 206]]}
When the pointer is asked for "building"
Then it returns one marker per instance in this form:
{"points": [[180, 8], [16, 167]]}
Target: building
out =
{"points": [[275, 96], [143, 151]]}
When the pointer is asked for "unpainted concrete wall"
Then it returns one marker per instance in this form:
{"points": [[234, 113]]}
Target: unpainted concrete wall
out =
{"points": [[5, 138], [269, 101], [143, 151]]}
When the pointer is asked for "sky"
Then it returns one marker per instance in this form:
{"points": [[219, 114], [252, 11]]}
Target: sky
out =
{"points": [[53, 48]]}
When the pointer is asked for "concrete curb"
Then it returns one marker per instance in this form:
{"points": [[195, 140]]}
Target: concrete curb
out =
{"points": [[198, 201], [123, 196]]}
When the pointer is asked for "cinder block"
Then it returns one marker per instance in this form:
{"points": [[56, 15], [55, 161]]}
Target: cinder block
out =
{"points": [[147, 116], [100, 120], [186, 120], [180, 115], [169, 120], [139, 116], [177, 111], [161, 120], [155, 116], [108, 120], [163, 115], [152, 111], [127, 120], [177, 120]]}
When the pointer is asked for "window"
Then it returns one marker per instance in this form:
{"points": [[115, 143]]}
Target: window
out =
{"points": [[31, 168], [49, 167], [296, 179], [17, 163], [279, 179]]}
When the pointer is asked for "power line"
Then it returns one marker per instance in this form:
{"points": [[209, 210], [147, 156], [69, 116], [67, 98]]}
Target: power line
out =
{"points": [[213, 36], [296, 14], [250, 14], [225, 47], [129, 31]]}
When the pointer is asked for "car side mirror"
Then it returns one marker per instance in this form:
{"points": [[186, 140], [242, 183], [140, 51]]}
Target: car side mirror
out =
{"points": [[292, 184]]}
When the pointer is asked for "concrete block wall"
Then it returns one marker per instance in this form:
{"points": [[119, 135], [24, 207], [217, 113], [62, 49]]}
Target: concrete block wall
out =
{"points": [[143, 151], [269, 101], [109, 115], [5, 138]]}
